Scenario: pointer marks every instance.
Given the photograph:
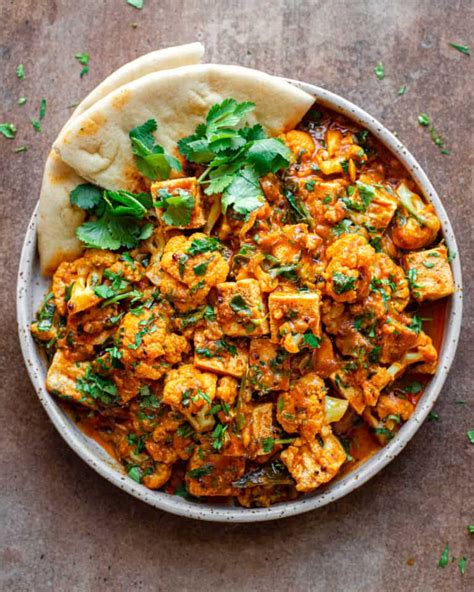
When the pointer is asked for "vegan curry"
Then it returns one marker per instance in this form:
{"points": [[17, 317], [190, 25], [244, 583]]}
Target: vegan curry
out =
{"points": [[260, 327]]}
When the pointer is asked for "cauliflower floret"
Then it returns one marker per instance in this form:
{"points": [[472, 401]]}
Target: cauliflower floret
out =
{"points": [[349, 269], [147, 344], [302, 408], [191, 392], [315, 461], [227, 389], [416, 225], [160, 475], [201, 270], [80, 277], [300, 143]]}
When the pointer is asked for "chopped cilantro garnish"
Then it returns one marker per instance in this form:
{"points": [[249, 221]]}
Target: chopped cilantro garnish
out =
{"points": [[238, 304], [402, 90], [21, 101], [151, 158], [200, 471], [462, 562], [42, 109], [470, 436], [83, 59], [311, 340], [204, 245], [20, 71], [423, 119], [218, 436], [21, 149], [461, 48], [342, 283], [413, 388], [200, 268], [433, 416], [36, 125], [379, 71], [136, 3], [97, 388], [8, 130], [444, 559]]}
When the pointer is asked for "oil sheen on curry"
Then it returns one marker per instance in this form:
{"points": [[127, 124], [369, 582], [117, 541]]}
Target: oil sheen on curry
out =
{"points": [[272, 322]]}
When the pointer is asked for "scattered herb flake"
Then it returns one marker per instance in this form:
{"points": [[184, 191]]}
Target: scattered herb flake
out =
{"points": [[423, 119], [461, 48], [470, 436], [42, 109], [8, 130], [83, 58], [136, 3], [444, 559], [22, 100], [379, 71], [433, 416], [36, 125], [402, 90], [21, 149], [462, 561], [20, 71]]}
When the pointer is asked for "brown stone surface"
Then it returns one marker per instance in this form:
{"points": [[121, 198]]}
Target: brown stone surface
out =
{"points": [[65, 528]]}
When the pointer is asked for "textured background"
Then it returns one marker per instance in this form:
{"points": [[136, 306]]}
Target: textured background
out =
{"points": [[63, 527]]}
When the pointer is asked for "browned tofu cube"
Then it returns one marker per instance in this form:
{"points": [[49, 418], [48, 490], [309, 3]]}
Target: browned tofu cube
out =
{"points": [[269, 366], [295, 319], [241, 310], [429, 274], [162, 190], [213, 474], [258, 429], [214, 353]]}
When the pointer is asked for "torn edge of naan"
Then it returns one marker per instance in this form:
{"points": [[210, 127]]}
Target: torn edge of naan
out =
{"points": [[57, 218]]}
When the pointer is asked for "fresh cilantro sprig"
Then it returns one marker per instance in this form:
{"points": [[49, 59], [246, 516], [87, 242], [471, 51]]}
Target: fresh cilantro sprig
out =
{"points": [[151, 159], [235, 159], [177, 209], [8, 130], [117, 215]]}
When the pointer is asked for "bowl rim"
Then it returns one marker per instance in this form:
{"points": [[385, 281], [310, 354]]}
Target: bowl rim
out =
{"points": [[337, 489]]}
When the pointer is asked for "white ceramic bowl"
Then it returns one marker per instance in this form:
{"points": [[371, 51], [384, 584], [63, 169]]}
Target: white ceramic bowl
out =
{"points": [[32, 287]]}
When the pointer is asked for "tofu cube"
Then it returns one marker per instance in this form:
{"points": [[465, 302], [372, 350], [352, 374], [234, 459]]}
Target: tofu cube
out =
{"points": [[269, 366], [63, 379], [295, 319], [241, 310], [258, 428], [175, 187], [214, 353], [212, 474], [429, 274]]}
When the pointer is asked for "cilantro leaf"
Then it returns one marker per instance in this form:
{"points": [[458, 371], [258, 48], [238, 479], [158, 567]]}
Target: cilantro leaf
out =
{"points": [[178, 209], [228, 113], [117, 214], [20, 71], [86, 196], [244, 193], [151, 159], [269, 155], [83, 58], [8, 130], [311, 340], [342, 283], [136, 3], [444, 559]]}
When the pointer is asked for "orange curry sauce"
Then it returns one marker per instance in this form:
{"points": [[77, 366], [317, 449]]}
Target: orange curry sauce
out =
{"points": [[280, 357]]}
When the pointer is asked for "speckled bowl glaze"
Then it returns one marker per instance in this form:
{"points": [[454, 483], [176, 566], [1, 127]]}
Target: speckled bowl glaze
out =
{"points": [[32, 287]]}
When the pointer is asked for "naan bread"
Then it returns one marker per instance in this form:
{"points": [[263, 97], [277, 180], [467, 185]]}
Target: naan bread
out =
{"points": [[58, 219], [97, 145]]}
